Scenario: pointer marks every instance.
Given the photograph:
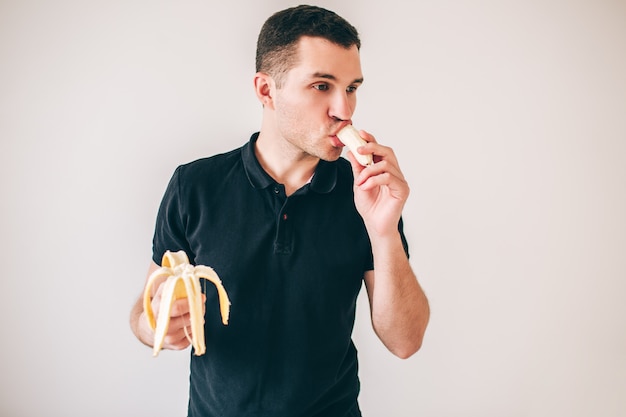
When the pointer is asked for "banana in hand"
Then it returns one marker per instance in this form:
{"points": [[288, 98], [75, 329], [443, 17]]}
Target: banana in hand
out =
{"points": [[182, 281], [350, 137]]}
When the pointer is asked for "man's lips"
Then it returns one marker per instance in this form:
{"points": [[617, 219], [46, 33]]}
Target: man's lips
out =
{"points": [[341, 126], [336, 142]]}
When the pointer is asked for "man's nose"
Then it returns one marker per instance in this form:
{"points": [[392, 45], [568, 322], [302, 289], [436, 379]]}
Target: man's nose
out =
{"points": [[341, 107]]}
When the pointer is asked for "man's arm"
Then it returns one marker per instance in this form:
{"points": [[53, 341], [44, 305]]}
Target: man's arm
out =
{"points": [[175, 338], [399, 307]]}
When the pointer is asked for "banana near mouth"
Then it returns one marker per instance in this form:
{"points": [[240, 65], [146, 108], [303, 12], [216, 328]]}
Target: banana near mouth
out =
{"points": [[350, 137]]}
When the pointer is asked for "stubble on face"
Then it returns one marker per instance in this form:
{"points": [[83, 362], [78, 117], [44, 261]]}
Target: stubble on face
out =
{"points": [[322, 73]]}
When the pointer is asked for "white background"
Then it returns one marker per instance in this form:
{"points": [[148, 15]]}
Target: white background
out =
{"points": [[509, 119]]}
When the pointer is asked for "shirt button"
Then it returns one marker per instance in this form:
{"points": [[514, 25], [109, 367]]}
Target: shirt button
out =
{"points": [[276, 190]]}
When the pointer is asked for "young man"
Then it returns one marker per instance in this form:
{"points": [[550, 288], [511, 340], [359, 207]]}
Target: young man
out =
{"points": [[293, 230]]}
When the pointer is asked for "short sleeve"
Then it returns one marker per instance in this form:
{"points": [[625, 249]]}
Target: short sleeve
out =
{"points": [[405, 244], [169, 231]]}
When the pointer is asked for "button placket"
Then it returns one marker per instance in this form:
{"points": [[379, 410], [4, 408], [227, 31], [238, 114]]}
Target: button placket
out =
{"points": [[284, 232]]}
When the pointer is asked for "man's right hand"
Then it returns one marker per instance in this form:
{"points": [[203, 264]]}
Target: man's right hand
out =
{"points": [[178, 335]]}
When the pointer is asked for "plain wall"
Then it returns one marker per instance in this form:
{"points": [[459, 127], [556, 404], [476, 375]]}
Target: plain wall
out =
{"points": [[509, 120]]}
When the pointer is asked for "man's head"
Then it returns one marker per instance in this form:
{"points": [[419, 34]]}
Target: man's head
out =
{"points": [[277, 43], [309, 70]]}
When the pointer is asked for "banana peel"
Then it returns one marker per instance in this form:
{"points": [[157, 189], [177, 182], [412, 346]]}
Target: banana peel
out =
{"points": [[182, 280]]}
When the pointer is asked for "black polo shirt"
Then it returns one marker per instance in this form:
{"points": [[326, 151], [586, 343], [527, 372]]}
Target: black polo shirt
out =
{"points": [[292, 266]]}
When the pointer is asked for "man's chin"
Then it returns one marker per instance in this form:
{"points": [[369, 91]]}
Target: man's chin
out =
{"points": [[331, 157]]}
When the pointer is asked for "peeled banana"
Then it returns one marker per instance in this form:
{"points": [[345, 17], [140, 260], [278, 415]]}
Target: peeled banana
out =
{"points": [[182, 281], [350, 137]]}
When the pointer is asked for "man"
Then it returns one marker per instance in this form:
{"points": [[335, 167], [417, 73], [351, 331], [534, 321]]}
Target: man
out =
{"points": [[293, 230]]}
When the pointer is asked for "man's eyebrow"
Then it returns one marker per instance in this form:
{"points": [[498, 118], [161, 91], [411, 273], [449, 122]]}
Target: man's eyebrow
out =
{"points": [[333, 78]]}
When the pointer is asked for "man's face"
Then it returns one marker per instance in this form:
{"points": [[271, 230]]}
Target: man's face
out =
{"points": [[318, 97]]}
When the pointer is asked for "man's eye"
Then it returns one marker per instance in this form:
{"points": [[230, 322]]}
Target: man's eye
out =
{"points": [[321, 87], [351, 89]]}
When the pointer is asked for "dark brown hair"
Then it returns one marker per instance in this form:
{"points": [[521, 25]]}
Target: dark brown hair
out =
{"points": [[279, 36]]}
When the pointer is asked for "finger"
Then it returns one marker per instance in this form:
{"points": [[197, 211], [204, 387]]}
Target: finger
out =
{"points": [[156, 301], [179, 334], [368, 137], [383, 169], [380, 153], [357, 168], [180, 307], [372, 146], [375, 181], [393, 186], [367, 149], [176, 341]]}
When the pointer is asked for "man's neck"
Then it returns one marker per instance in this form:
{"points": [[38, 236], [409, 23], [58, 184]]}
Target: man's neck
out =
{"points": [[284, 163]]}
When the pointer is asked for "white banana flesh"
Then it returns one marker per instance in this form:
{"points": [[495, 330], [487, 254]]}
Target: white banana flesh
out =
{"points": [[350, 137], [182, 280]]}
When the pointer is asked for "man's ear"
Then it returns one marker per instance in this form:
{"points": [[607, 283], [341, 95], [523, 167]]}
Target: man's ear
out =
{"points": [[264, 87]]}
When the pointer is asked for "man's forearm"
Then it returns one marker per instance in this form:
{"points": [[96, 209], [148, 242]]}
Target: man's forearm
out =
{"points": [[399, 307]]}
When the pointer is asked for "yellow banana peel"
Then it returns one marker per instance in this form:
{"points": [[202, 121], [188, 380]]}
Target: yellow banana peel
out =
{"points": [[182, 280]]}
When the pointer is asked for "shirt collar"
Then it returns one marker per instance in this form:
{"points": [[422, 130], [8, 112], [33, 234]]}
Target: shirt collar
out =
{"points": [[323, 181]]}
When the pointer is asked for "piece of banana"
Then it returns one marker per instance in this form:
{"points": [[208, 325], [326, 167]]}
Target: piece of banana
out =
{"points": [[182, 281], [350, 137]]}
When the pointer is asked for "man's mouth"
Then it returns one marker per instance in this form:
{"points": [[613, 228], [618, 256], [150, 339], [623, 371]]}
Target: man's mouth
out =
{"points": [[341, 126], [336, 142]]}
